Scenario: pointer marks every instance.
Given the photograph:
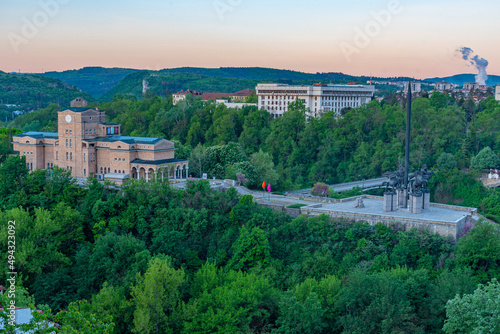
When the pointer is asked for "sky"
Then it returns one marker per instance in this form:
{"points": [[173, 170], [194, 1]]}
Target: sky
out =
{"points": [[358, 37]]}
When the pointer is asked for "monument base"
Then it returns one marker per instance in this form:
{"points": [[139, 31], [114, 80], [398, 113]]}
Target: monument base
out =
{"points": [[416, 203], [426, 199], [390, 201], [401, 197]]}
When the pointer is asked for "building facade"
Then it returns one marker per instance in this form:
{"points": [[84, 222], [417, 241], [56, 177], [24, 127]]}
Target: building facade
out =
{"points": [[442, 86], [319, 98], [416, 87], [470, 86], [497, 93], [240, 96], [87, 145]]}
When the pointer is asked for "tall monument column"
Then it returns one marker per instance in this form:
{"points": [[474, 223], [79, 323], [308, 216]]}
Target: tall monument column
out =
{"points": [[407, 150]]}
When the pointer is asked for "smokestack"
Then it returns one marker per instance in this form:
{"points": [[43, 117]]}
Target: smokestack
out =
{"points": [[472, 59]]}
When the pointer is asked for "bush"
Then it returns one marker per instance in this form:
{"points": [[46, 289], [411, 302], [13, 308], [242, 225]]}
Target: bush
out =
{"points": [[296, 206], [320, 189], [485, 159]]}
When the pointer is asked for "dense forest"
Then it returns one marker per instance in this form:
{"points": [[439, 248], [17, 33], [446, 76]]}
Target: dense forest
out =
{"points": [[94, 80], [293, 152], [31, 92], [152, 259]]}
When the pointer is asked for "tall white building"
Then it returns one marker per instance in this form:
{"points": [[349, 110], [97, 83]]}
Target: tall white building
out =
{"points": [[416, 87], [318, 98], [442, 86], [497, 93]]}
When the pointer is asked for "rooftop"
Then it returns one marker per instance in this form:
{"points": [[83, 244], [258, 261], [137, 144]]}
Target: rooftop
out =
{"points": [[38, 135], [158, 162], [126, 139], [78, 109]]}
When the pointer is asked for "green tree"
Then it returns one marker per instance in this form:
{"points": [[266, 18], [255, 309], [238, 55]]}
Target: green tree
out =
{"points": [[155, 296], [485, 159], [251, 249], [264, 167], [446, 161], [480, 250], [375, 303], [475, 313], [297, 317]]}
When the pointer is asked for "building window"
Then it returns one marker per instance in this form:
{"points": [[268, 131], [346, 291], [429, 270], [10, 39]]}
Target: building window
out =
{"points": [[66, 143], [48, 164], [84, 172], [71, 156], [101, 170], [57, 155], [67, 156], [71, 143], [70, 131], [66, 131], [84, 157]]}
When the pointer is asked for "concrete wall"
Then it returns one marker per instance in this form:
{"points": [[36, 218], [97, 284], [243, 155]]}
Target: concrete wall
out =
{"points": [[443, 228]]}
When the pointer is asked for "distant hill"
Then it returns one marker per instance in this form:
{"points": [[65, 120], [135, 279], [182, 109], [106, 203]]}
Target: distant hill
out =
{"points": [[104, 83], [36, 91], [160, 83], [96, 81], [460, 79]]}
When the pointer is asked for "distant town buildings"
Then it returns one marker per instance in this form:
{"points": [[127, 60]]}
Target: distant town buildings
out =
{"points": [[442, 86], [416, 87], [318, 98], [239, 96], [87, 145], [470, 86], [497, 93], [181, 95]]}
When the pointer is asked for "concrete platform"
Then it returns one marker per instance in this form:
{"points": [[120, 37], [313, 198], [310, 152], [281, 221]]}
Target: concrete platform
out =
{"points": [[447, 220]]}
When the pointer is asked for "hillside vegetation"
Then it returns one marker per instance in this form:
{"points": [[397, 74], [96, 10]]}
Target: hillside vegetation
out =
{"points": [[96, 81], [35, 91]]}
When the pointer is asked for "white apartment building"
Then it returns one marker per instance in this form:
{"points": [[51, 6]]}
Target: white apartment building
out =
{"points": [[442, 86], [416, 87], [318, 98], [497, 93]]}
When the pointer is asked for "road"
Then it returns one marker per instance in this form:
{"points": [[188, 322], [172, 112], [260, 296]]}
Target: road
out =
{"points": [[364, 184], [280, 199]]}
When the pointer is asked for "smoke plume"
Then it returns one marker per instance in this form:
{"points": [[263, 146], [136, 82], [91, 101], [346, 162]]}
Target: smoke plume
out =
{"points": [[474, 60]]}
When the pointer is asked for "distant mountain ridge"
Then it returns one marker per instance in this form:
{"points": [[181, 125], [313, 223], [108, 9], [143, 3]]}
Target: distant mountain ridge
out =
{"points": [[460, 79], [96, 81], [104, 82]]}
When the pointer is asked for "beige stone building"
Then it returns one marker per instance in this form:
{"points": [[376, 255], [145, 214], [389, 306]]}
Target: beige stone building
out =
{"points": [[87, 145], [497, 93]]}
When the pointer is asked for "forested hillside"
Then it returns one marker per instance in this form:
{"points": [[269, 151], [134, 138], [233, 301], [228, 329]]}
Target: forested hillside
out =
{"points": [[102, 82], [34, 91], [94, 80], [294, 153], [151, 259], [164, 84]]}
